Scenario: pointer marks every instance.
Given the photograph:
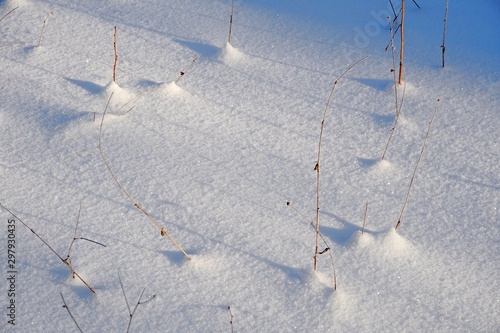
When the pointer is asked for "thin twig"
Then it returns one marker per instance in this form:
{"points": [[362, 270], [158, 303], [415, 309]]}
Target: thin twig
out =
{"points": [[327, 246], [393, 70], [163, 232], [76, 228], [43, 27], [364, 219], [73, 272], [416, 168], [67, 308], [443, 48], [393, 11], [402, 47], [317, 167], [231, 318], [230, 23], [116, 56], [185, 71], [8, 13], [68, 256], [398, 104]]}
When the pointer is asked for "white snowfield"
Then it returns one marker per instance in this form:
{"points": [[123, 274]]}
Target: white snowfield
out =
{"points": [[214, 155]]}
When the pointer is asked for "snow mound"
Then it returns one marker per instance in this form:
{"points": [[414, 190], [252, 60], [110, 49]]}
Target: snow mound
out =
{"points": [[120, 99], [230, 55], [172, 89], [393, 245], [384, 245]]}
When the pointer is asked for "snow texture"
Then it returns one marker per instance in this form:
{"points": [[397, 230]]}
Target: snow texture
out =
{"points": [[214, 155]]}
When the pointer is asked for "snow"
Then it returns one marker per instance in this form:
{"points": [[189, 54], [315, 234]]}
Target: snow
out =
{"points": [[215, 156]]}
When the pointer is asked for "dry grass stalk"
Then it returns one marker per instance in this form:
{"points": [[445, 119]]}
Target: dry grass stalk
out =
{"points": [[8, 13], [163, 232], [402, 45], [364, 219], [393, 69], [317, 166], [325, 242], [231, 318], [186, 70], [116, 57], [132, 312], [68, 256], [398, 103], [71, 315], [65, 261], [416, 168], [443, 48], [43, 28], [230, 23]]}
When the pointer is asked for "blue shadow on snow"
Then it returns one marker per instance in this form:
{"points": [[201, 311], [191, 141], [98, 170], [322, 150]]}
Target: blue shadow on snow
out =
{"points": [[91, 87], [341, 235], [206, 50]]}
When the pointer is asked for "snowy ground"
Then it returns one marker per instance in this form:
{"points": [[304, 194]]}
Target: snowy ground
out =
{"points": [[215, 158]]}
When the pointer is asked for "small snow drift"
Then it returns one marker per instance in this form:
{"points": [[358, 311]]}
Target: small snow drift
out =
{"points": [[171, 88], [230, 55], [120, 99]]}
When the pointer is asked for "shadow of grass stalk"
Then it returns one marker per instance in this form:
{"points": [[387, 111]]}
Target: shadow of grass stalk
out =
{"points": [[132, 312], [70, 314]]}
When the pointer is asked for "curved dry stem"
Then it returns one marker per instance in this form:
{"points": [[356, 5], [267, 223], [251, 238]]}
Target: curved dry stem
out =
{"points": [[163, 232], [317, 167], [10, 12]]}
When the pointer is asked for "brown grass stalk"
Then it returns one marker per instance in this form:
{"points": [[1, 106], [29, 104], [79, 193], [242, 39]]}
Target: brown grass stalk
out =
{"points": [[182, 73], [43, 28], [163, 232], [325, 242], [116, 57], [65, 261], [68, 256], [230, 23], [317, 166], [398, 104], [231, 317], [443, 48], [398, 224], [402, 45], [364, 219], [10, 12]]}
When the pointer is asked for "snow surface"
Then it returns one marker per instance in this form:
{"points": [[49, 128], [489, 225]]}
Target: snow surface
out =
{"points": [[215, 157]]}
